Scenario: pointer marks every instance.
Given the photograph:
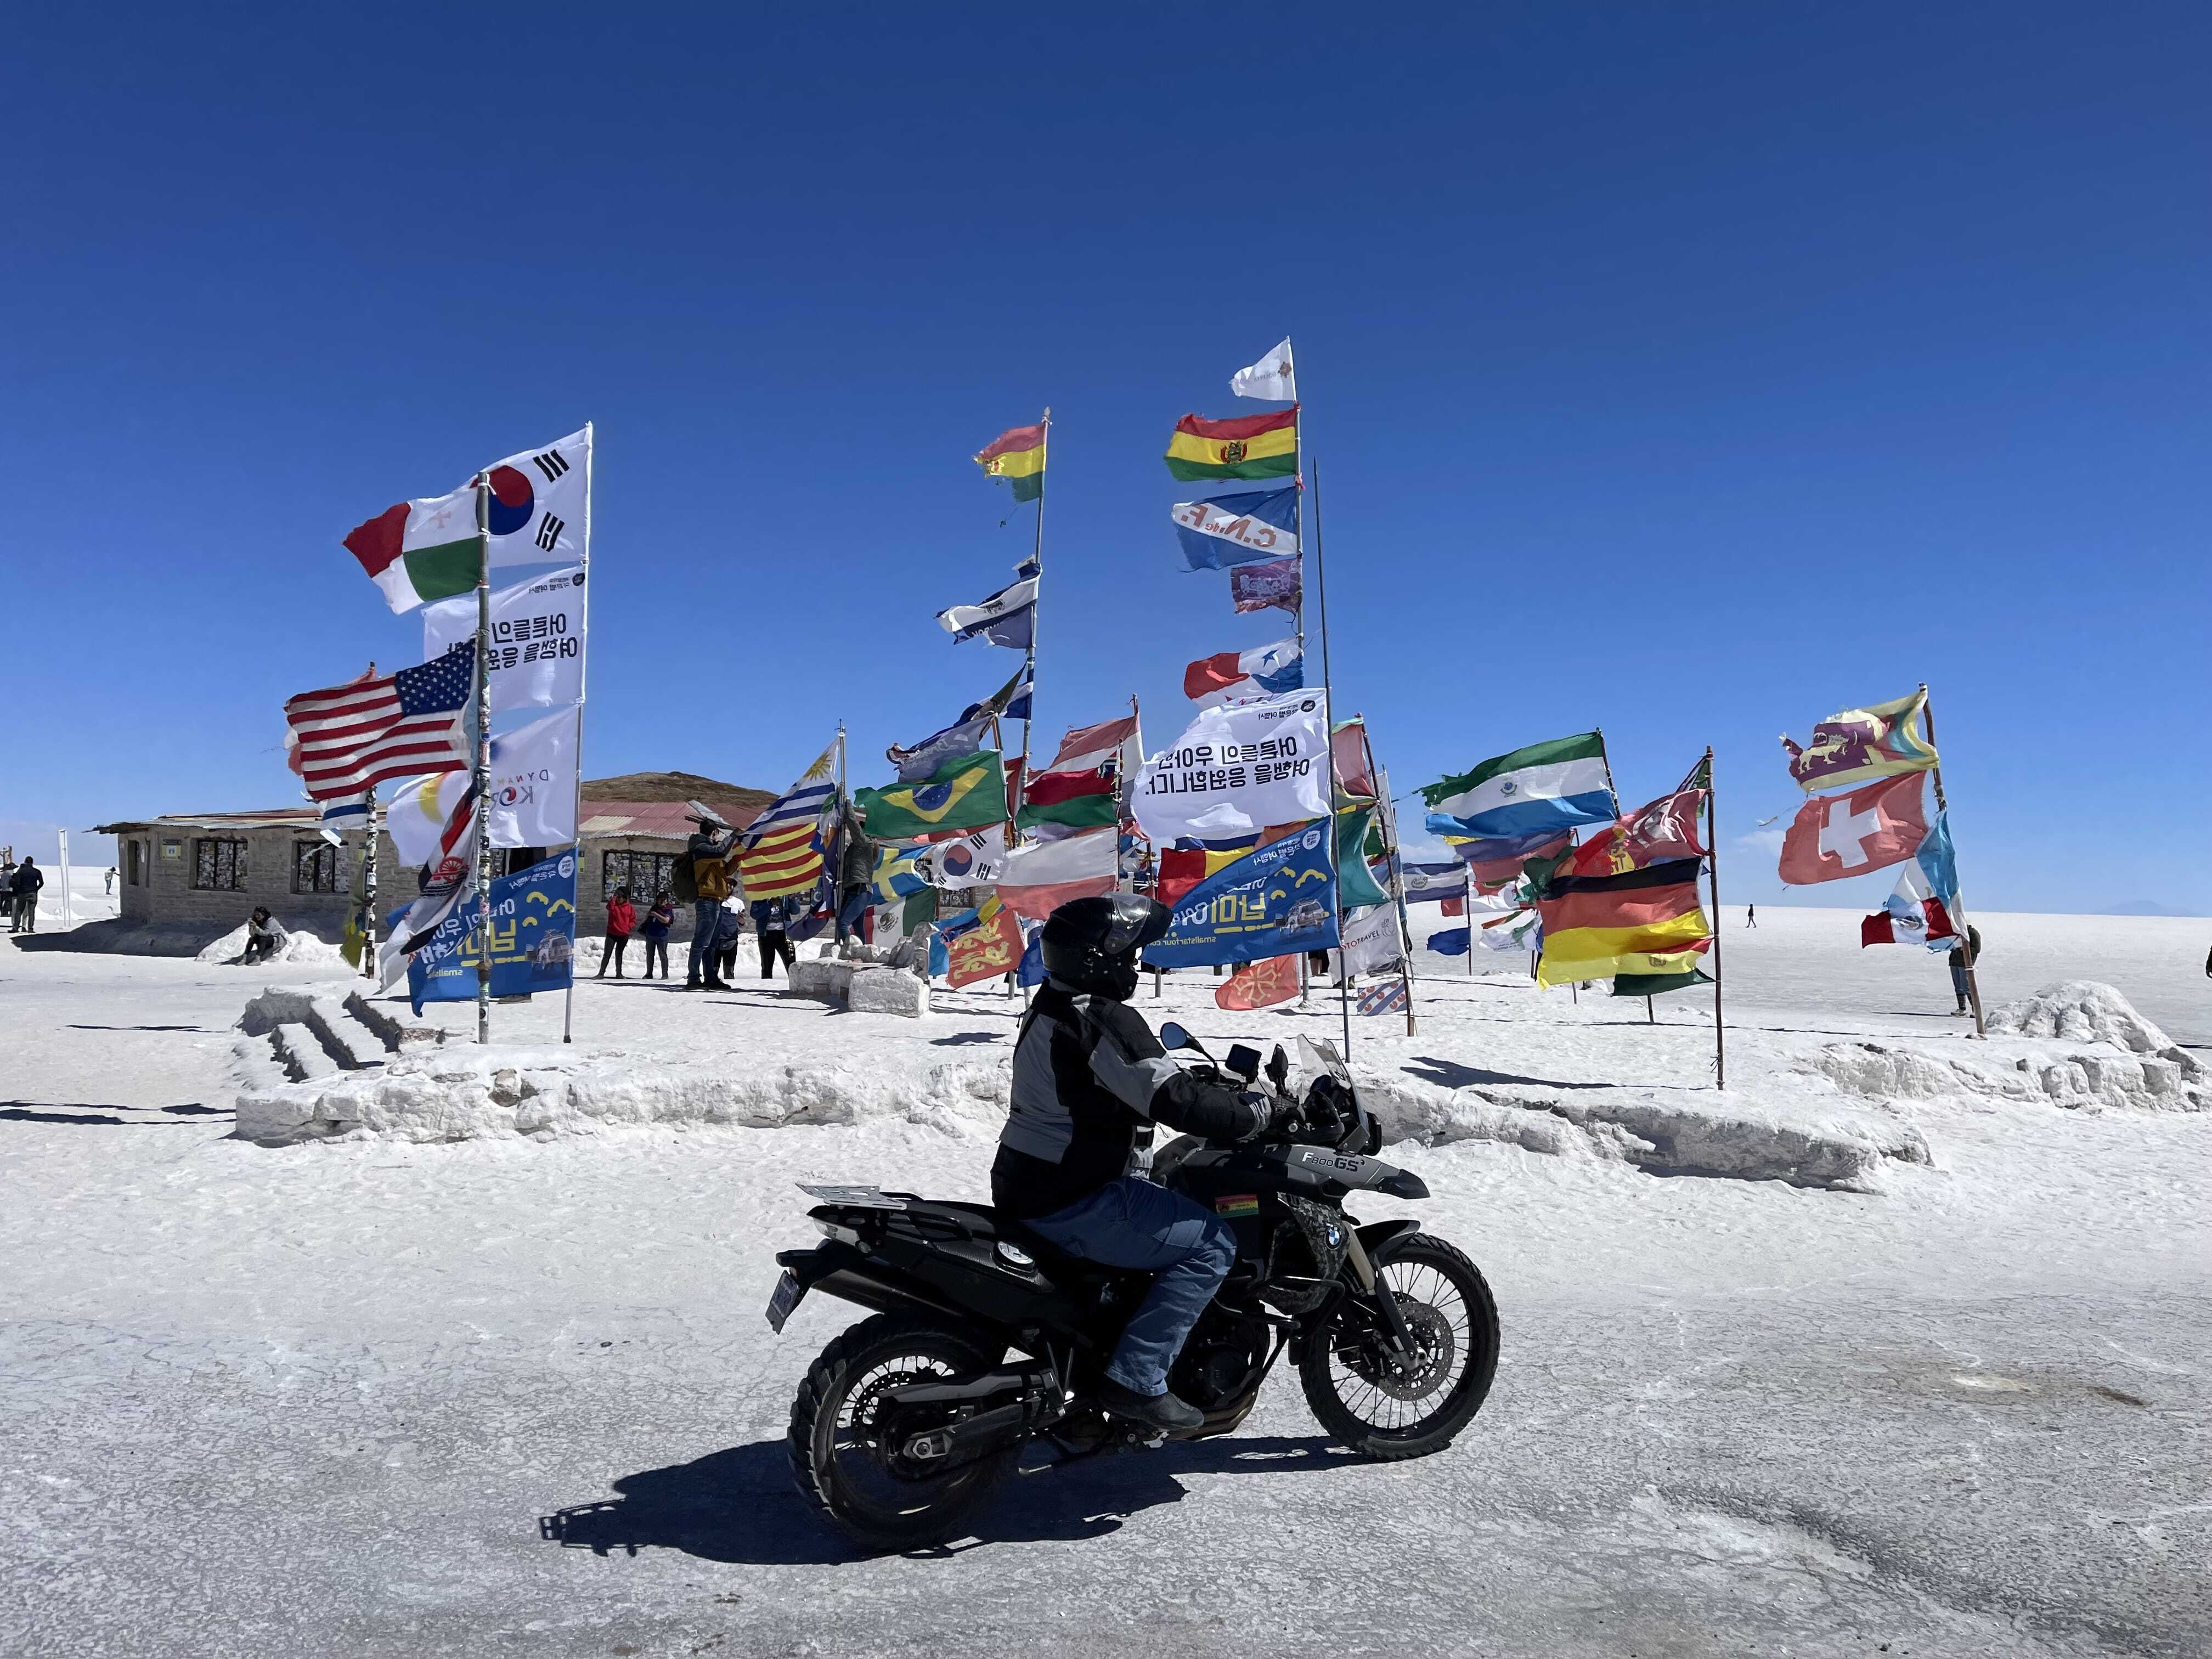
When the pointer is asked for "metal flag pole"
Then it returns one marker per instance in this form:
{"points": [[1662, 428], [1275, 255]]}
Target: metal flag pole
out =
{"points": [[1959, 904], [368, 887], [1328, 709], [583, 666], [1713, 874], [1395, 851], [1036, 606], [483, 757]]}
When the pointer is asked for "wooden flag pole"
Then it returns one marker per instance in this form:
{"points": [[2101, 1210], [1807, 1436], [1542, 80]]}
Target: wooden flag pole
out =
{"points": [[1713, 873], [1392, 851], [1329, 725], [369, 884], [1959, 904], [483, 757], [1037, 616]]}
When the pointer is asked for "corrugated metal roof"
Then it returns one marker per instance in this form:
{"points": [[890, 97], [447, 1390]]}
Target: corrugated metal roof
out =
{"points": [[666, 819]]}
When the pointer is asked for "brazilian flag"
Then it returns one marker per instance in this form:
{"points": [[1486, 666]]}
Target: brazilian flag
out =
{"points": [[967, 793]]}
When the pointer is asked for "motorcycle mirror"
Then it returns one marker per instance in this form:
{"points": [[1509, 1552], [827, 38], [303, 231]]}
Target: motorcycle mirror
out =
{"points": [[1278, 1067], [1172, 1036]]}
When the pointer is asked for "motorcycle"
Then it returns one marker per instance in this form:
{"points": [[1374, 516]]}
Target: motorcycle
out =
{"points": [[904, 1424]]}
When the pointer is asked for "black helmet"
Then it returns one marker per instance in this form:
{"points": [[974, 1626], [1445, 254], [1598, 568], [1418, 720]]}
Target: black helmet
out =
{"points": [[1091, 944]]}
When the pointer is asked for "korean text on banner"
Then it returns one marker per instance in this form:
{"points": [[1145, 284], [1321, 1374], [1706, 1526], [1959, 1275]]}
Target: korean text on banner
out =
{"points": [[1276, 902], [1237, 769], [536, 639], [533, 939]]}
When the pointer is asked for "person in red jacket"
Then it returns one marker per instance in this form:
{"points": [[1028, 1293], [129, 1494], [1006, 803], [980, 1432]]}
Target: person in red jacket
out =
{"points": [[622, 921]]}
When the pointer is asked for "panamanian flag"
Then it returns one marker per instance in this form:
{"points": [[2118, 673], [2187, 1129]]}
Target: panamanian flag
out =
{"points": [[1266, 671], [427, 550], [1538, 790]]}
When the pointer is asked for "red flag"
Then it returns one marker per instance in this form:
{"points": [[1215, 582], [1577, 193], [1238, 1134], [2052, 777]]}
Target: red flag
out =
{"points": [[984, 952], [1665, 829], [1837, 836], [1260, 984], [1348, 743]]}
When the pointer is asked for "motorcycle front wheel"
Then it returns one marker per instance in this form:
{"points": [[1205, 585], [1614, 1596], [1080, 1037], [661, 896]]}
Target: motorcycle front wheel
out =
{"points": [[1387, 1412], [841, 1462]]}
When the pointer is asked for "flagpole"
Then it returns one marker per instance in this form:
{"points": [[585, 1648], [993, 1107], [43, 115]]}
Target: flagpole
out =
{"points": [[1959, 904], [368, 889], [483, 759], [1329, 706], [1713, 874], [583, 665], [1036, 607], [1395, 851]]}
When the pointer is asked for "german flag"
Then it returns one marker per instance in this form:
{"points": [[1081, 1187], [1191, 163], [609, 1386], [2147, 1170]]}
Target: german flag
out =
{"points": [[1017, 456], [1647, 921], [1247, 446]]}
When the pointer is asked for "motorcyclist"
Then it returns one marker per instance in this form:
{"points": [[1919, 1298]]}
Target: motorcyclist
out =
{"points": [[1090, 1082]]}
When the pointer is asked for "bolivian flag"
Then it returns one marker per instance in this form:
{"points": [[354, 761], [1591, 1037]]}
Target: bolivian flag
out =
{"points": [[1648, 922], [1248, 447], [1017, 456], [966, 793]]}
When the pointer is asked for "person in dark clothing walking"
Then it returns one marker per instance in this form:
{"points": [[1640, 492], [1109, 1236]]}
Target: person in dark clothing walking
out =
{"points": [[29, 878], [1751, 916], [658, 921], [710, 879], [1962, 957], [622, 922]]}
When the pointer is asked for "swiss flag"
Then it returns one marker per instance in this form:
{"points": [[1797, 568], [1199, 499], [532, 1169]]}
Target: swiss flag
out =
{"points": [[1848, 835]]}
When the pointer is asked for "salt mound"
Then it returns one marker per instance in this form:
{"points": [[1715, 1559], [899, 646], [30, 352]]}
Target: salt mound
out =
{"points": [[2081, 1011], [545, 1093], [299, 946]]}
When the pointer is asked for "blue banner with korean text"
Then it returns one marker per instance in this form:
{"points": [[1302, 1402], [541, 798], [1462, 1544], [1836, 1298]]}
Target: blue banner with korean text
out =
{"points": [[533, 939], [1273, 902]]}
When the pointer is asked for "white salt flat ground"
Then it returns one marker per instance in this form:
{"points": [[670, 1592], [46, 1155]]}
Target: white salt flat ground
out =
{"points": [[315, 1400]]}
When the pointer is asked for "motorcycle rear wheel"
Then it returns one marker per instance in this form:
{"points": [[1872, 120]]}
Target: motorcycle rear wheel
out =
{"points": [[1447, 1305], [840, 1464]]}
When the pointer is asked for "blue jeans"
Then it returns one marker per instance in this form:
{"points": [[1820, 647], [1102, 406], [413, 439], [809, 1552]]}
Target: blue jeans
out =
{"points": [[706, 924], [1959, 982], [1136, 1224]]}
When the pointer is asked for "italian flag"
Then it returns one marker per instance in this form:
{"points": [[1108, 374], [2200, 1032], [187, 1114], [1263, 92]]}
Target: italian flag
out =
{"points": [[419, 551]]}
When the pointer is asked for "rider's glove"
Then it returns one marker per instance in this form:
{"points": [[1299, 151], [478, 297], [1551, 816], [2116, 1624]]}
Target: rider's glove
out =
{"points": [[1263, 1114]]}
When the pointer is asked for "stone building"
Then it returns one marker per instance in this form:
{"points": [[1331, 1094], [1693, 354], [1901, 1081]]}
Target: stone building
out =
{"points": [[188, 879]]}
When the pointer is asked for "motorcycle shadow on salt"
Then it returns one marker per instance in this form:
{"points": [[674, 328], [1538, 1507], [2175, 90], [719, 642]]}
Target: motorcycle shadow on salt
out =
{"points": [[739, 1505]]}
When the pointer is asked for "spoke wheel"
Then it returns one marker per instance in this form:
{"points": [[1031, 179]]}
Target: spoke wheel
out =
{"points": [[1387, 1410], [847, 1466]]}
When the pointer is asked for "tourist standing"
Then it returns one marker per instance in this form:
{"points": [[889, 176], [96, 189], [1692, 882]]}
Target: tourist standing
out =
{"points": [[658, 921], [710, 884], [622, 922], [1964, 955], [771, 919], [28, 880]]}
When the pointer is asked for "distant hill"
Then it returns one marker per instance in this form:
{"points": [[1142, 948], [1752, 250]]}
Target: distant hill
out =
{"points": [[675, 787]]}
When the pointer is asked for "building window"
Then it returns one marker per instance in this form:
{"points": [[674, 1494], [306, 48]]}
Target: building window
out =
{"points": [[134, 863], [219, 866], [644, 874], [314, 867]]}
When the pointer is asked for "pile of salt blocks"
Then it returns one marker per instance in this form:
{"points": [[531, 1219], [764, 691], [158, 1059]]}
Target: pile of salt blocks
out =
{"points": [[861, 980]]}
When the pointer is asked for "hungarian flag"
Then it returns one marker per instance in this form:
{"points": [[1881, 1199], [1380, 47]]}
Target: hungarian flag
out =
{"points": [[1017, 456], [1035, 880], [429, 549], [1647, 921], [1243, 447], [1261, 984], [1264, 671], [1838, 835], [1080, 787]]}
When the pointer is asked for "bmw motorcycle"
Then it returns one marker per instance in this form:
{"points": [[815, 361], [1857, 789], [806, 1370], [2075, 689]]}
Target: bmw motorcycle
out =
{"points": [[985, 1339]]}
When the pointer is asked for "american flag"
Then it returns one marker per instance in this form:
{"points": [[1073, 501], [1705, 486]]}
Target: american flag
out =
{"points": [[354, 736]]}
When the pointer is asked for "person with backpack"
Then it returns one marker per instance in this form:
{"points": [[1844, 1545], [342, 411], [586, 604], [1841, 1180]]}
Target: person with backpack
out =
{"points": [[703, 862], [28, 880]]}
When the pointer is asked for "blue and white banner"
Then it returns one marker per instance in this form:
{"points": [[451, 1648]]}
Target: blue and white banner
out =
{"points": [[533, 939], [1225, 530], [1273, 902], [1008, 618], [1432, 884]]}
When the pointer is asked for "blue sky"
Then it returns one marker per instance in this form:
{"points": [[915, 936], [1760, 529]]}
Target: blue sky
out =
{"points": [[1689, 372]]}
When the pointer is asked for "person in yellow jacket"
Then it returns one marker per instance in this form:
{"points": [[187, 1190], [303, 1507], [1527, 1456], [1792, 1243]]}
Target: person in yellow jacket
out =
{"points": [[707, 850]]}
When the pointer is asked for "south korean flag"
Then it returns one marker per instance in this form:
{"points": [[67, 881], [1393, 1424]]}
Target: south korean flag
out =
{"points": [[539, 503]]}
